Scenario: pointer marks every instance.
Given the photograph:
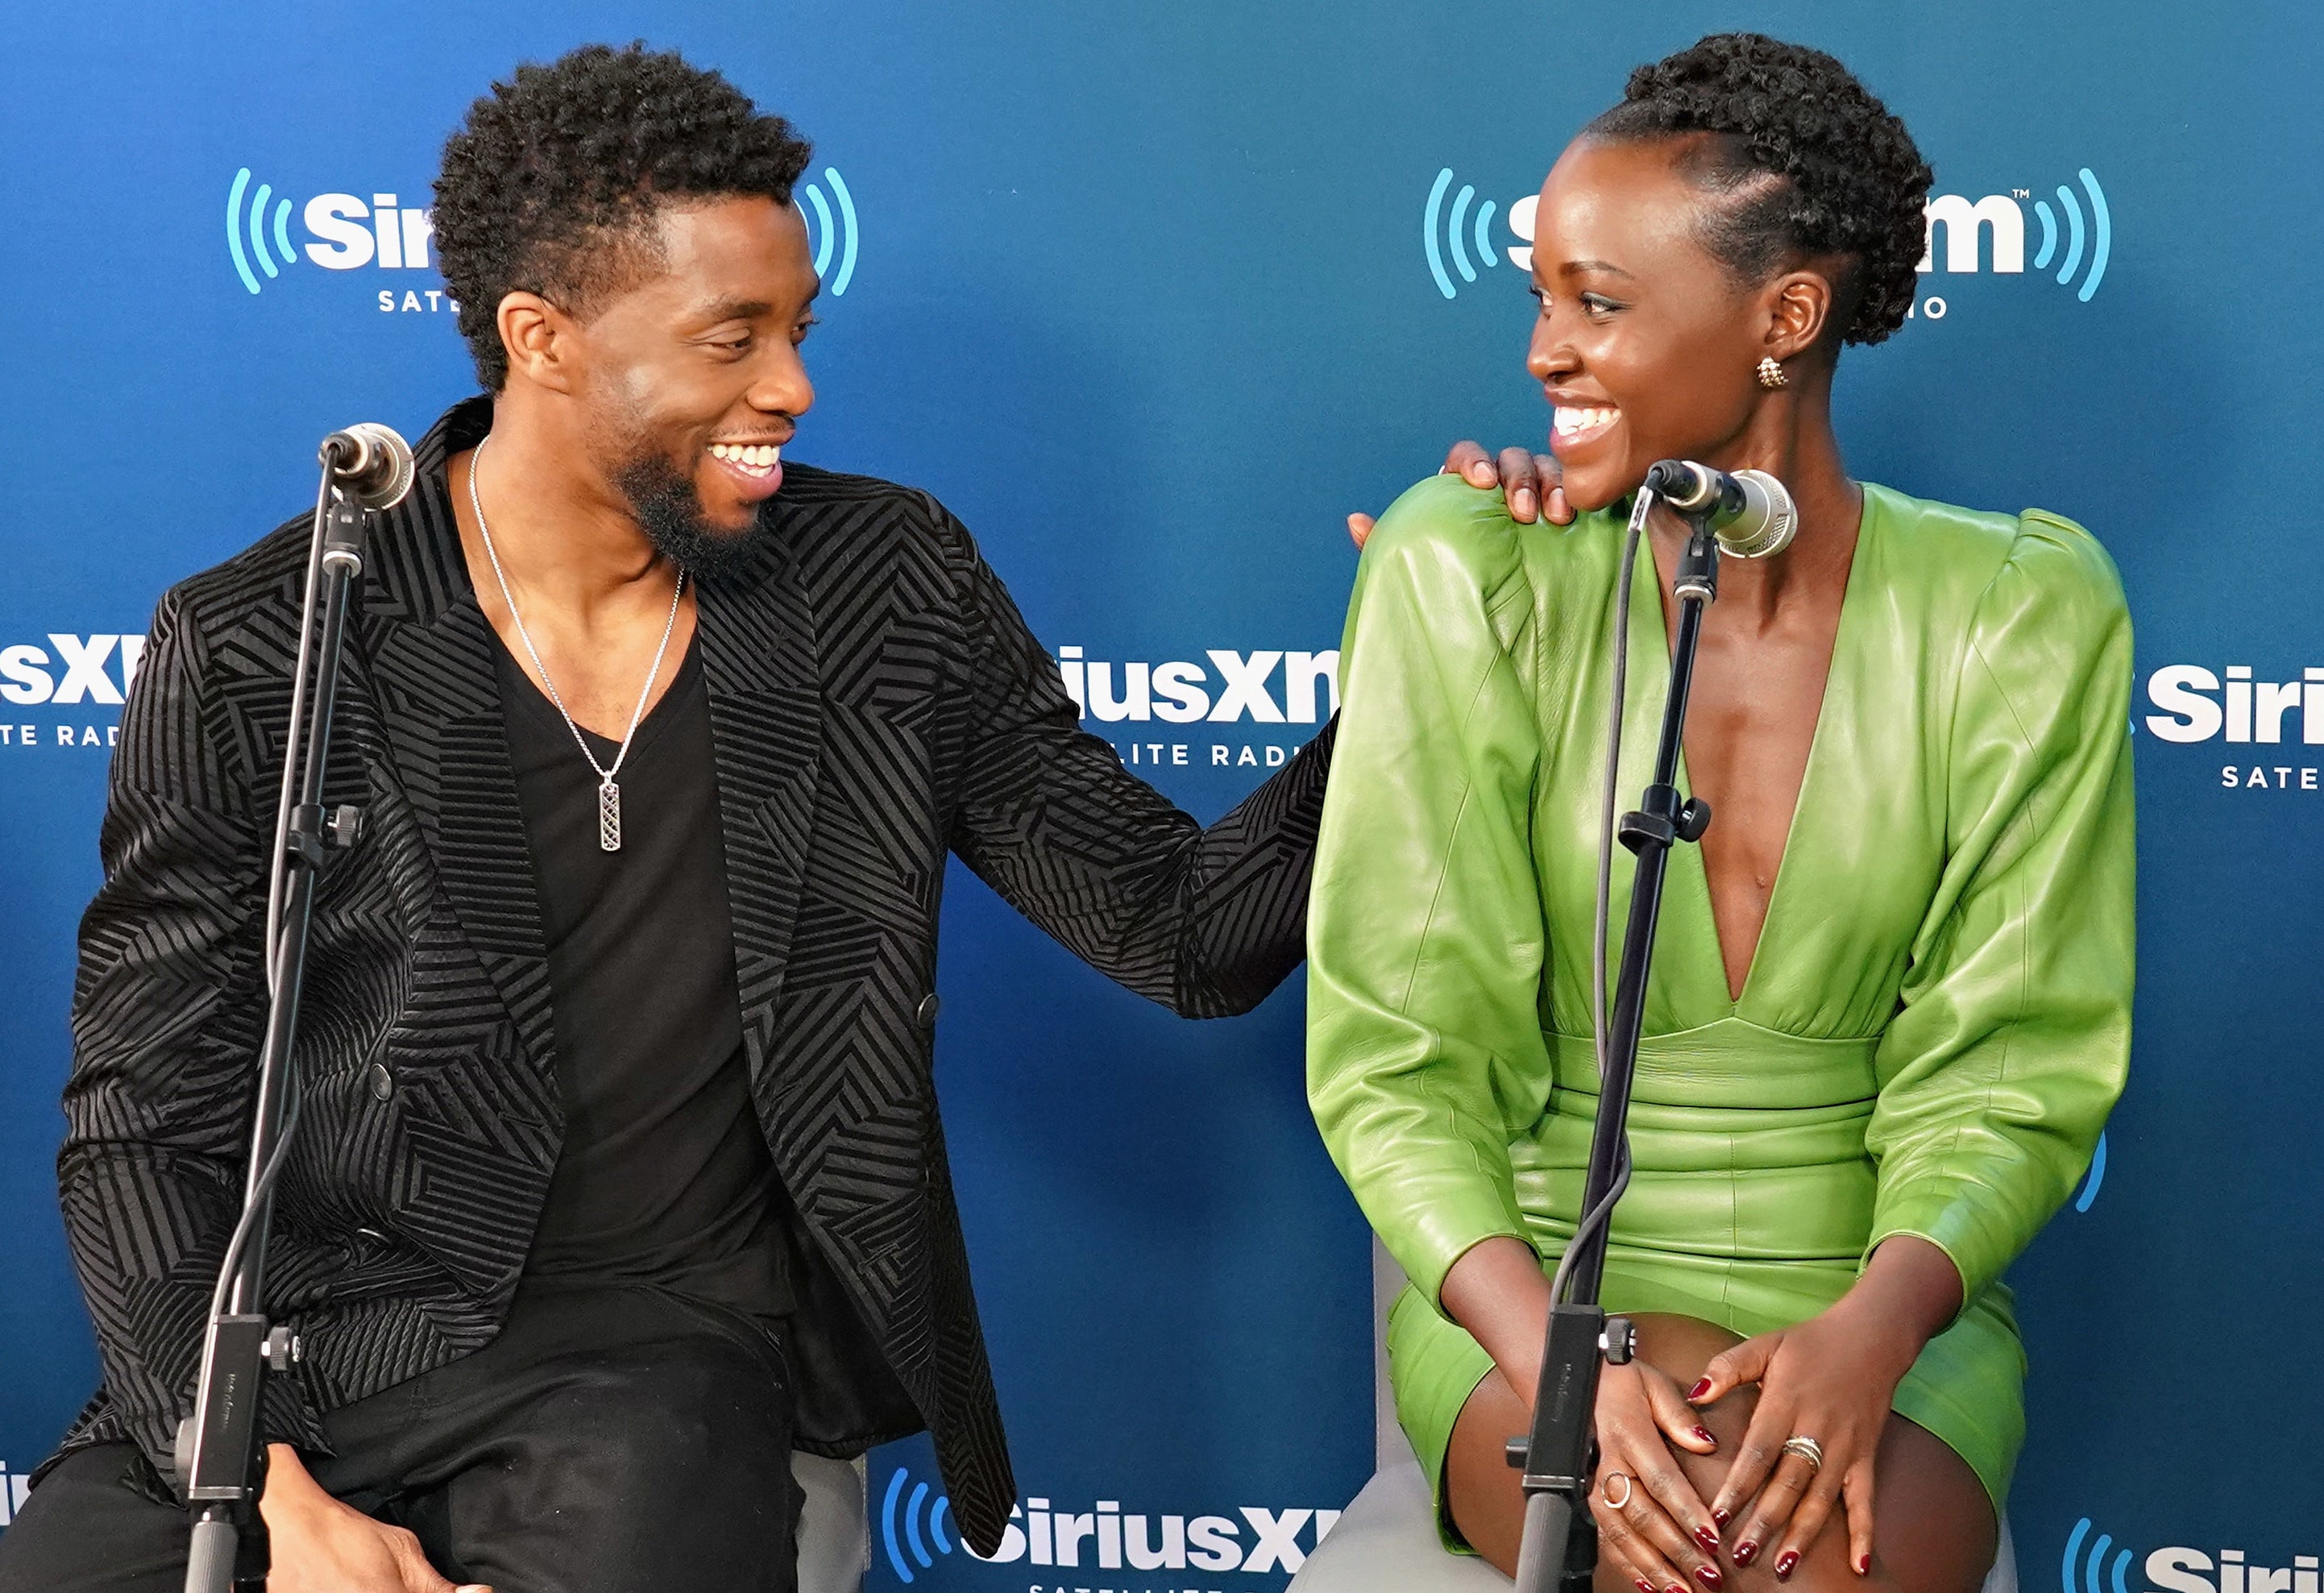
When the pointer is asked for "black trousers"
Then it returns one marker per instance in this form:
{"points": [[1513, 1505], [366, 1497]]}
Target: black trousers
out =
{"points": [[612, 1439]]}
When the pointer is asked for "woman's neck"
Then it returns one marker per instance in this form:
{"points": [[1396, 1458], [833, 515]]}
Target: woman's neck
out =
{"points": [[1789, 435]]}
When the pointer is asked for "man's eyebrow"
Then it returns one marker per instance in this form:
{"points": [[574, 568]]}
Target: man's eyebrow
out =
{"points": [[745, 309], [733, 309]]}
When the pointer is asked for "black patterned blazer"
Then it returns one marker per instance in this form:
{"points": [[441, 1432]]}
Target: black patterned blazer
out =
{"points": [[876, 701]]}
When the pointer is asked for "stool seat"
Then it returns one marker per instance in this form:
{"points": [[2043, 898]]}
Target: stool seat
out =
{"points": [[1385, 1542], [834, 1535]]}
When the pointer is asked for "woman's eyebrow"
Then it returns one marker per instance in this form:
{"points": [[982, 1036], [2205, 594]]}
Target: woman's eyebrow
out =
{"points": [[1576, 267]]}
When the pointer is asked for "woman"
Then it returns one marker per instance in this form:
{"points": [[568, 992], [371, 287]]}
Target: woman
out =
{"points": [[1862, 1090]]}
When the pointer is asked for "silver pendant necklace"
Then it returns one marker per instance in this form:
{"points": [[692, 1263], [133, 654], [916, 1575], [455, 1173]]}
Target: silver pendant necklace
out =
{"points": [[609, 792]]}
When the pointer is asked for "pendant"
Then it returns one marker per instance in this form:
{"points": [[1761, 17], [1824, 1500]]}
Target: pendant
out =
{"points": [[609, 817]]}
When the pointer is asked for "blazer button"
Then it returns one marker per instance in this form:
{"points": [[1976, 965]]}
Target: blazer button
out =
{"points": [[381, 1081], [926, 1014]]}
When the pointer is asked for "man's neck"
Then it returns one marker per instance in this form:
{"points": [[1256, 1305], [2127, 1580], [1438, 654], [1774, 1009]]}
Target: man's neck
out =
{"points": [[564, 535]]}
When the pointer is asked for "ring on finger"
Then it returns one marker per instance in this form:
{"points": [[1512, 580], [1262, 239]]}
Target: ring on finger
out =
{"points": [[1606, 1489], [1807, 1449]]}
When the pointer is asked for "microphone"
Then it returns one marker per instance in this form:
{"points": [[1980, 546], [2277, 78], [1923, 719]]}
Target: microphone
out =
{"points": [[1750, 511], [369, 464]]}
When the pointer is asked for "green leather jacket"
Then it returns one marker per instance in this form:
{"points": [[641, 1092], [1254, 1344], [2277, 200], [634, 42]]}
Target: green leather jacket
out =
{"points": [[1938, 1019]]}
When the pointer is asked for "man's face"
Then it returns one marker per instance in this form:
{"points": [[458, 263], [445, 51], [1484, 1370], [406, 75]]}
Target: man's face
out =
{"points": [[691, 379]]}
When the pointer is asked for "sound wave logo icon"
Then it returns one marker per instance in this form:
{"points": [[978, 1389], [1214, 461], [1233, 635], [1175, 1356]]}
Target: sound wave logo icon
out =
{"points": [[2099, 235], [831, 236], [897, 1508], [2097, 1176], [2088, 1570], [1455, 230], [257, 228]]}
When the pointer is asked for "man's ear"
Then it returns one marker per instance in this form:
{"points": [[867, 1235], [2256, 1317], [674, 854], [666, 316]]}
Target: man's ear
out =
{"points": [[539, 339], [1799, 310]]}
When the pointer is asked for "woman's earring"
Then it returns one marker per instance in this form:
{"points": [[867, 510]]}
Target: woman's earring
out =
{"points": [[1771, 373]]}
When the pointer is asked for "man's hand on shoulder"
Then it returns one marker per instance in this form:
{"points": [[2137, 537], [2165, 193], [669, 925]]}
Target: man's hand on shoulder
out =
{"points": [[1522, 477], [322, 1546]]}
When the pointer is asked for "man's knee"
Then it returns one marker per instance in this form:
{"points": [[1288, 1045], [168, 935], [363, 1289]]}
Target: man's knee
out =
{"points": [[86, 1527], [674, 1411]]}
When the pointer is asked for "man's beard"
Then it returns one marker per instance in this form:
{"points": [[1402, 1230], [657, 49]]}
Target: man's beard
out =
{"points": [[666, 504]]}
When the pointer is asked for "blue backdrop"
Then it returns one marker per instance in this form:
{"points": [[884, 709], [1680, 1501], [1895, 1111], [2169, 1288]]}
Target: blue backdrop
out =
{"points": [[1151, 295]]}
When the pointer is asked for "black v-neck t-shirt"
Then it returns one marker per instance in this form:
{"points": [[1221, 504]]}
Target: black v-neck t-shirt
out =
{"points": [[664, 1178]]}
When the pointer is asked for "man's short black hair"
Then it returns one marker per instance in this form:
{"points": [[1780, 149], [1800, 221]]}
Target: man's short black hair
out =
{"points": [[1808, 161], [550, 184]]}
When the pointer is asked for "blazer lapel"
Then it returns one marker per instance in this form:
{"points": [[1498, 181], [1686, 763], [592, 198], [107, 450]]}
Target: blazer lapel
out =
{"points": [[430, 658], [758, 644]]}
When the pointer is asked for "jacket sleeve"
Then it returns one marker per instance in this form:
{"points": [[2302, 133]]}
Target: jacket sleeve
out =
{"points": [[2014, 1039], [1426, 946], [169, 1007], [1206, 922]]}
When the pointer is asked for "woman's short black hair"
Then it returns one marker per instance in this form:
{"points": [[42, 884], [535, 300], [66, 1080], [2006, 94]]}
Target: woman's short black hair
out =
{"points": [[1808, 162], [551, 182]]}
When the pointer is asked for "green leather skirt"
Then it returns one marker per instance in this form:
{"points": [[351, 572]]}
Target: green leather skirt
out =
{"points": [[1750, 1218]]}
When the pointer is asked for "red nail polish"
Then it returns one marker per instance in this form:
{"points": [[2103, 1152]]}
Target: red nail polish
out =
{"points": [[1864, 1565], [1708, 1538], [1645, 1586], [1721, 1517], [1746, 1551], [1675, 1588], [1699, 1390], [1708, 1575], [1703, 1434], [1784, 1564]]}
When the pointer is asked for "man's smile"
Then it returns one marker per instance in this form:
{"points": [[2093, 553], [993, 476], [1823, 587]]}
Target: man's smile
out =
{"points": [[756, 469]]}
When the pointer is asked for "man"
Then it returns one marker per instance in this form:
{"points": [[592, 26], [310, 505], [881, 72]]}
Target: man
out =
{"points": [[618, 1170]]}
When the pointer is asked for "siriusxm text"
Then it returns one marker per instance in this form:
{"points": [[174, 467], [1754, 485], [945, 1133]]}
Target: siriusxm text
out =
{"points": [[2199, 704], [68, 669], [2190, 1570], [1267, 687], [352, 234], [1104, 1539]]}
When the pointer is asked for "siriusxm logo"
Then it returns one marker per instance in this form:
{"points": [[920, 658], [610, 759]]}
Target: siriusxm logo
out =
{"points": [[1234, 686], [2002, 216], [2076, 235], [2197, 705], [1232, 689], [95, 669], [912, 1532], [2097, 1565], [343, 231]]}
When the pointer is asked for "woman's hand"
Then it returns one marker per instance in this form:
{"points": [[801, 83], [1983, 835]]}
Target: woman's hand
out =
{"points": [[1522, 477], [319, 1545], [1660, 1531], [1829, 1379], [1651, 1522]]}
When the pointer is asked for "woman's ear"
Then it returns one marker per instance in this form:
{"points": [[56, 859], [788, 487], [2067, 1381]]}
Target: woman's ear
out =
{"points": [[1799, 310]]}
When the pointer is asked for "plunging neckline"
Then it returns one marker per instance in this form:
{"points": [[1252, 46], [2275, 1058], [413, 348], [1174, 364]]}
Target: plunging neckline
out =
{"points": [[1695, 872]]}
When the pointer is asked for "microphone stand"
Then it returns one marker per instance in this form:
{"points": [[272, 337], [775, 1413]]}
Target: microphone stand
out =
{"points": [[1559, 1456], [220, 1465]]}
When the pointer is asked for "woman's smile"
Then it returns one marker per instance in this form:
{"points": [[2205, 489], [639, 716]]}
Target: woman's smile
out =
{"points": [[1576, 427]]}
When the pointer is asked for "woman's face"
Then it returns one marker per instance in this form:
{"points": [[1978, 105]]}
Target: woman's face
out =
{"points": [[1646, 344]]}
